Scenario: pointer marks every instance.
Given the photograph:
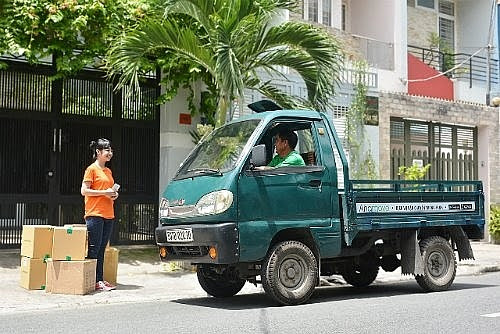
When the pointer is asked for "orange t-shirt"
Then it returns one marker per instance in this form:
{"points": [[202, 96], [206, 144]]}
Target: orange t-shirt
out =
{"points": [[100, 179]]}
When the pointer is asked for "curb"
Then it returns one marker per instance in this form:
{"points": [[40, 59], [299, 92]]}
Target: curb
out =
{"points": [[489, 269]]}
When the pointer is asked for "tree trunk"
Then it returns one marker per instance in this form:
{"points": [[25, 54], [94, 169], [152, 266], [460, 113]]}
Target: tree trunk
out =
{"points": [[222, 109]]}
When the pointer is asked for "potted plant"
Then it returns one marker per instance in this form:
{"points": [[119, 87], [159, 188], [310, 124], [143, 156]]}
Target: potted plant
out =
{"points": [[494, 225]]}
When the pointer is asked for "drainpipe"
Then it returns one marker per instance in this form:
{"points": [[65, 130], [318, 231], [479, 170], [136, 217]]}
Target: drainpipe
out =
{"points": [[488, 74]]}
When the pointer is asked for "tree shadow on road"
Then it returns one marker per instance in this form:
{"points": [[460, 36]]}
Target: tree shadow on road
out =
{"points": [[322, 294], [10, 259]]}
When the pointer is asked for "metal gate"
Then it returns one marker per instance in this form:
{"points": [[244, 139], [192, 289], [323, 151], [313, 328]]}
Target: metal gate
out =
{"points": [[450, 149], [45, 130]]}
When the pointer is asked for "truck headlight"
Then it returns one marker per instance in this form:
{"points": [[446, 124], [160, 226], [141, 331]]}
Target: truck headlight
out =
{"points": [[214, 202]]}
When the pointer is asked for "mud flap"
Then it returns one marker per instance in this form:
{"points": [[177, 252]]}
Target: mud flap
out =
{"points": [[462, 242], [411, 259]]}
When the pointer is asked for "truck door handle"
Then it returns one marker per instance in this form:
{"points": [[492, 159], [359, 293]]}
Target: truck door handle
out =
{"points": [[315, 183]]}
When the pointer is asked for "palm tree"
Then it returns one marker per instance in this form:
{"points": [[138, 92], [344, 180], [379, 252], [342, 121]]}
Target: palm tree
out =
{"points": [[233, 40]]}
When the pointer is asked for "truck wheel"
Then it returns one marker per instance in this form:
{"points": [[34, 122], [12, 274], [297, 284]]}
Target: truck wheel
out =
{"points": [[440, 265], [363, 273], [219, 285], [289, 273]]}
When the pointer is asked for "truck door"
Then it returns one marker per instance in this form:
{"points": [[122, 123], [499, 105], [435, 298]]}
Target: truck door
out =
{"points": [[288, 197]]}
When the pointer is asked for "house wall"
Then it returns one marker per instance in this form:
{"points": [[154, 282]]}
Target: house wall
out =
{"points": [[175, 140], [440, 86], [421, 23], [373, 19], [473, 14]]}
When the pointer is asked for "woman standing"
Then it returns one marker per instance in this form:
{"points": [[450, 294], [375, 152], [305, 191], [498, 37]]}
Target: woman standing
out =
{"points": [[100, 191]]}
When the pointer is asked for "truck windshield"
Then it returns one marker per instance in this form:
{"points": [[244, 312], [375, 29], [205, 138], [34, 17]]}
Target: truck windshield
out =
{"points": [[219, 152]]}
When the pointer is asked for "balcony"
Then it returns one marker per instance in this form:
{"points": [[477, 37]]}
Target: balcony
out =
{"points": [[472, 68], [378, 54]]}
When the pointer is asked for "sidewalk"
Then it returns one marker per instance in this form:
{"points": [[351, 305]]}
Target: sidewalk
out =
{"points": [[142, 277]]}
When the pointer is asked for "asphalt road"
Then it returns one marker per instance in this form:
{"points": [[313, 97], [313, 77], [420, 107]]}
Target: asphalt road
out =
{"points": [[472, 305]]}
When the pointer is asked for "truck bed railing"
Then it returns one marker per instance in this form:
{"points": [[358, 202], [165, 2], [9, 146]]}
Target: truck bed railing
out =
{"points": [[414, 186]]}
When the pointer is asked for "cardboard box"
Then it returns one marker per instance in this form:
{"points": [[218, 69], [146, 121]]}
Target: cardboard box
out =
{"points": [[71, 277], [36, 241], [33, 273], [69, 243], [111, 264]]}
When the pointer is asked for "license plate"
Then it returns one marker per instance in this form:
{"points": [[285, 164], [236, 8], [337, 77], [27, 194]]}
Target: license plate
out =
{"points": [[180, 235]]}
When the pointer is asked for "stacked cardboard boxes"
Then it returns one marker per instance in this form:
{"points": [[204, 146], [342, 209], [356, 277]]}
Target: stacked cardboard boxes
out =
{"points": [[68, 272], [36, 248], [53, 258]]}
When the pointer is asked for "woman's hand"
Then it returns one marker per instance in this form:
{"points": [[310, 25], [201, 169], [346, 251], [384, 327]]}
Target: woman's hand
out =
{"points": [[110, 193]]}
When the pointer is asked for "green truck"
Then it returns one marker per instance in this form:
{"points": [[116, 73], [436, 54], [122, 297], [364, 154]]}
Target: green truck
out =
{"points": [[286, 227]]}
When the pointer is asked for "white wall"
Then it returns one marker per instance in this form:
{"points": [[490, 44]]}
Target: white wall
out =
{"points": [[483, 138], [175, 140], [476, 94], [392, 81], [374, 19], [337, 14], [372, 141], [476, 14], [385, 21]]}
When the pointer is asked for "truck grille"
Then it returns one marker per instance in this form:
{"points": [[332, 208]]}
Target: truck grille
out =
{"points": [[188, 250]]}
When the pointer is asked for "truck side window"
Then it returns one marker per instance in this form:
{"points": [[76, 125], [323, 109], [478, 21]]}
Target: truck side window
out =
{"points": [[305, 142], [305, 146]]}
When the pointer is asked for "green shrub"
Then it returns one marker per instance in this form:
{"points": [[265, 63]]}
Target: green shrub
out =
{"points": [[494, 225], [414, 172]]}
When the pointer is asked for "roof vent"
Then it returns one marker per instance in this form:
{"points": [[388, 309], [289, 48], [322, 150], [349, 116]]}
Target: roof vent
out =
{"points": [[264, 105]]}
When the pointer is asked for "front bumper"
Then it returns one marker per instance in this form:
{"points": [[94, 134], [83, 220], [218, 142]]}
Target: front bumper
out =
{"points": [[223, 236]]}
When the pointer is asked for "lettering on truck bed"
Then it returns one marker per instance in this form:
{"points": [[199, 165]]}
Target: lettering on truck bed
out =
{"points": [[433, 207]]}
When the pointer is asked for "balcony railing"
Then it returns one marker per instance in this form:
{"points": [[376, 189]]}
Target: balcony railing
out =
{"points": [[352, 76], [377, 53], [472, 68]]}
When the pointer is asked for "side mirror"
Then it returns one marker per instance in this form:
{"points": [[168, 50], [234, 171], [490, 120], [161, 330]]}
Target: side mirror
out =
{"points": [[258, 156]]}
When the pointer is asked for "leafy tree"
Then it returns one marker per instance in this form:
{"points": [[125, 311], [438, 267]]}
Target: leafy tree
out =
{"points": [[361, 163], [77, 32], [225, 43]]}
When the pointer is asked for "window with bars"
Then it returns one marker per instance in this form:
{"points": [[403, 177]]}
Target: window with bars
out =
{"points": [[446, 7], [344, 12], [426, 3], [320, 11], [327, 13], [312, 10], [447, 31]]}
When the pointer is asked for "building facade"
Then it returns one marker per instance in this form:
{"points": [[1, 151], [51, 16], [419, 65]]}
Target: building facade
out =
{"points": [[431, 76]]}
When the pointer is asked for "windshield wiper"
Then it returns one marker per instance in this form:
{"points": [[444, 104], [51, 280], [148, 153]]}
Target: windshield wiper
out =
{"points": [[205, 171]]}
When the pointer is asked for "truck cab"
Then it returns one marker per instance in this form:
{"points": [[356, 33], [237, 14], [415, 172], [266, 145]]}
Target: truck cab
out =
{"points": [[284, 227]]}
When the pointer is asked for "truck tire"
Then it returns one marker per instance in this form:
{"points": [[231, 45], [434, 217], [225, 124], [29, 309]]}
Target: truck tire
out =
{"points": [[363, 273], [219, 285], [289, 273], [440, 265]]}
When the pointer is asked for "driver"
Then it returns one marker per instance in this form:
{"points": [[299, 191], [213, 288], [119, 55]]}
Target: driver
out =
{"points": [[285, 142]]}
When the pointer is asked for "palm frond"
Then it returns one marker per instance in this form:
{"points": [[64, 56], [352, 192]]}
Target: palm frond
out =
{"points": [[200, 10], [286, 101], [129, 56], [305, 39]]}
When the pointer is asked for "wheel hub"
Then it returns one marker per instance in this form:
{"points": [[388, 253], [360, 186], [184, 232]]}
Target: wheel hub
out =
{"points": [[436, 263], [291, 273]]}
